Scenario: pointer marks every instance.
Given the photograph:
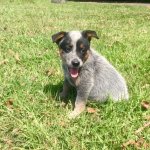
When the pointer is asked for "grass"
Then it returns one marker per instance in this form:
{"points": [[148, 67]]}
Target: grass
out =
{"points": [[31, 75]]}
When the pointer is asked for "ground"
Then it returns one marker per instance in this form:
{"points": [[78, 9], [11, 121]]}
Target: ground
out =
{"points": [[31, 76]]}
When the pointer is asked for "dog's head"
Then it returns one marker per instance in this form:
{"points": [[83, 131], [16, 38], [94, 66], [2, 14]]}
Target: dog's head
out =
{"points": [[74, 48]]}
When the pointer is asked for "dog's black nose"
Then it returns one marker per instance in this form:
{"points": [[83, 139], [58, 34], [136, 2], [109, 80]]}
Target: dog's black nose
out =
{"points": [[75, 63]]}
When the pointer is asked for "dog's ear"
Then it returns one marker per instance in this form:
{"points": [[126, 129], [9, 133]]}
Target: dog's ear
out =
{"points": [[58, 36], [89, 34]]}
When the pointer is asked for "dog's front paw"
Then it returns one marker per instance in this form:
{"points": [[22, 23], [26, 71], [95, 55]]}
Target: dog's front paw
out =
{"points": [[73, 114], [79, 108], [63, 103]]}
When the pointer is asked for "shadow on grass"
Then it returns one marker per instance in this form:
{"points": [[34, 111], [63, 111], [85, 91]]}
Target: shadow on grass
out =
{"points": [[53, 90]]}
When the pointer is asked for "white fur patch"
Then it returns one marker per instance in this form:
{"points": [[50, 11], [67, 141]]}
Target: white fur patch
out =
{"points": [[75, 36]]}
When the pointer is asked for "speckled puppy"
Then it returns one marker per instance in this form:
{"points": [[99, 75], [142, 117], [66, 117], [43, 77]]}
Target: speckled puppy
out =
{"points": [[89, 72]]}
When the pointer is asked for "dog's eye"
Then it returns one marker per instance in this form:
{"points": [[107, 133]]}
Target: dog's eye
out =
{"points": [[68, 49]]}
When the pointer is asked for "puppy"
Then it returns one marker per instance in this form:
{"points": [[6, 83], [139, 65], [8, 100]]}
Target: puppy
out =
{"points": [[89, 72]]}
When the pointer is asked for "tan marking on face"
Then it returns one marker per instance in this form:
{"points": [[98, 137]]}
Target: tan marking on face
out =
{"points": [[86, 56], [60, 54], [81, 45]]}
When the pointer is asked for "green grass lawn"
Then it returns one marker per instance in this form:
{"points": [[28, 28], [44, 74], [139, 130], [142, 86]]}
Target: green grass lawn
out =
{"points": [[31, 76]]}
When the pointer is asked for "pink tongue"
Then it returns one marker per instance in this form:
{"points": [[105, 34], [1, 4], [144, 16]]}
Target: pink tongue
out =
{"points": [[73, 72]]}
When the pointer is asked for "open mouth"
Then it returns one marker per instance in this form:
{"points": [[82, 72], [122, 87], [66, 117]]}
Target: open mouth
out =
{"points": [[74, 72]]}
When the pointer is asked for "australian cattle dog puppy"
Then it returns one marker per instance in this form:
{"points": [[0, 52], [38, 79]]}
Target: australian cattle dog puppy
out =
{"points": [[89, 72]]}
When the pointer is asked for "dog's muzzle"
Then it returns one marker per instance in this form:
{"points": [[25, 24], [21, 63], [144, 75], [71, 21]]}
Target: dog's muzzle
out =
{"points": [[74, 69]]}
